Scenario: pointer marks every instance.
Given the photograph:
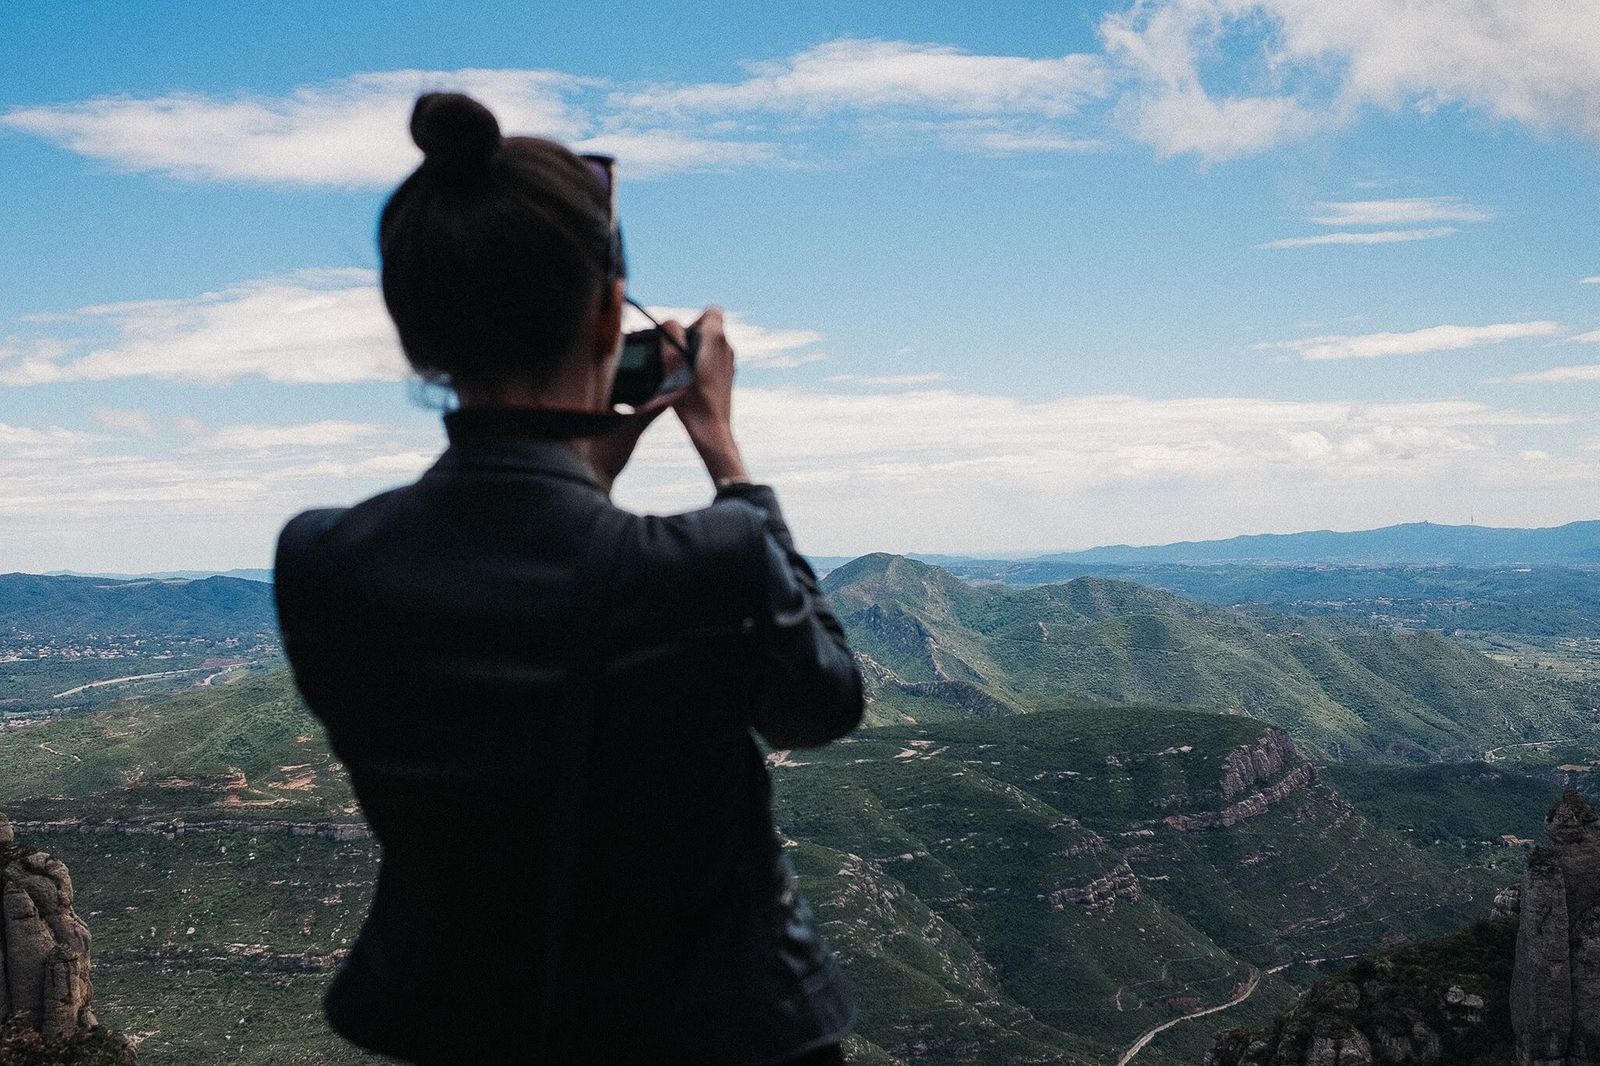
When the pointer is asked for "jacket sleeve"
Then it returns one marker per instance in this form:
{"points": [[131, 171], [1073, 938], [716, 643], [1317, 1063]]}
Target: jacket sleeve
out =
{"points": [[808, 688]]}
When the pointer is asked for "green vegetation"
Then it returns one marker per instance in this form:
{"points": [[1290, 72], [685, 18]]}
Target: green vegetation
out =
{"points": [[59, 609], [21, 1045], [249, 750], [1451, 994], [1543, 601], [942, 649], [63, 638], [1462, 804]]}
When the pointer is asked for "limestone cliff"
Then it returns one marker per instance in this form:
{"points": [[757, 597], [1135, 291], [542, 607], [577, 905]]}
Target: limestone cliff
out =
{"points": [[1555, 990], [45, 990]]}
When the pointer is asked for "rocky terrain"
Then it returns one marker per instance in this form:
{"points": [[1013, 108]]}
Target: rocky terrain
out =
{"points": [[45, 987], [1522, 988], [1555, 987]]}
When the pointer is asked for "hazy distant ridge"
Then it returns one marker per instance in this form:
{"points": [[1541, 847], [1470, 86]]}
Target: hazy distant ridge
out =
{"points": [[1411, 544]]}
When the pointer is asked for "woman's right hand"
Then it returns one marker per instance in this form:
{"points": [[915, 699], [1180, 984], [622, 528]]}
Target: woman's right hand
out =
{"points": [[706, 407]]}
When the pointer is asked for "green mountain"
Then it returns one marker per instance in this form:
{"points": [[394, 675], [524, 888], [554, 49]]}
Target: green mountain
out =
{"points": [[1411, 544], [69, 644], [936, 648], [1542, 601], [51, 609], [1035, 888]]}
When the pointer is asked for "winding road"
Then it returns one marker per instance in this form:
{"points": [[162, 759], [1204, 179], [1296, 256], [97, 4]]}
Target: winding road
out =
{"points": [[1150, 1034]]}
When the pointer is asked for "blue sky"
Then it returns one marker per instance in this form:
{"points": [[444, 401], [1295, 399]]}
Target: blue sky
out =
{"points": [[1010, 278]]}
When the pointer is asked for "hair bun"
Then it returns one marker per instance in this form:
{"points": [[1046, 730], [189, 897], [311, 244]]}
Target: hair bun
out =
{"points": [[458, 136]]}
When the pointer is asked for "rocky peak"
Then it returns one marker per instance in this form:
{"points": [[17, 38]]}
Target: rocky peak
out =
{"points": [[1555, 986], [44, 956]]}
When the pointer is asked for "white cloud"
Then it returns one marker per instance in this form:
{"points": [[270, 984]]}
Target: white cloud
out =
{"points": [[122, 420], [899, 381], [1382, 236], [860, 75], [753, 344], [322, 326], [1407, 211], [311, 327], [1590, 281], [918, 467], [261, 439], [937, 469], [653, 152], [353, 132], [1591, 337], [346, 132], [1562, 375], [1534, 62], [1416, 342]]}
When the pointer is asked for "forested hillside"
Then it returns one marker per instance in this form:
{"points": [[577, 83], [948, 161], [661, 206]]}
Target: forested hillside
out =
{"points": [[937, 648]]}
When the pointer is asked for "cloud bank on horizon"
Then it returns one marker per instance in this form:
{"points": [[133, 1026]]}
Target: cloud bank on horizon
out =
{"points": [[888, 455]]}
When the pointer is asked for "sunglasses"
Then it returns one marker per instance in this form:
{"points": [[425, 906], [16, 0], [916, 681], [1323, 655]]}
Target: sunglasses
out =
{"points": [[641, 357]]}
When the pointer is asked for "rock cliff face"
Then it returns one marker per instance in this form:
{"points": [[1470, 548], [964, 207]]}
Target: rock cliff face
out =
{"points": [[1523, 987], [1555, 990], [44, 953], [1254, 779]]}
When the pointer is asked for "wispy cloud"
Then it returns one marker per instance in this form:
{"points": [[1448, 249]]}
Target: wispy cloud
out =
{"points": [[1562, 375], [932, 377], [346, 132], [1407, 211], [1415, 342], [312, 326], [1382, 236], [309, 327], [862, 75], [1590, 281], [352, 132], [754, 344]]}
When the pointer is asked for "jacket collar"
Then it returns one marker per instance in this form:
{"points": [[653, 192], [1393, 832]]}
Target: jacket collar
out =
{"points": [[522, 439]]}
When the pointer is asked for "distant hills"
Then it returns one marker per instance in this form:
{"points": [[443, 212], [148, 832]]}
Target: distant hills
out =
{"points": [[936, 648], [245, 574], [54, 608], [1411, 544]]}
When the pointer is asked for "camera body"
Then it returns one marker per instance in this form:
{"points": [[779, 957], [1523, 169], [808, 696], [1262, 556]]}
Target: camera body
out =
{"points": [[641, 373]]}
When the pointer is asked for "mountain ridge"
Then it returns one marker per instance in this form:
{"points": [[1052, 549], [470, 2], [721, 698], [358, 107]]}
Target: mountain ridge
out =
{"points": [[1344, 689]]}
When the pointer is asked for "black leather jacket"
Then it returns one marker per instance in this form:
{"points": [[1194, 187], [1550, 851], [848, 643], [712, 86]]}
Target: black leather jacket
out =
{"points": [[545, 705]]}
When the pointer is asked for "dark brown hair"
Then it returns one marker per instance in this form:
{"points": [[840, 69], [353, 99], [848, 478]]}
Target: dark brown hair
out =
{"points": [[493, 250]]}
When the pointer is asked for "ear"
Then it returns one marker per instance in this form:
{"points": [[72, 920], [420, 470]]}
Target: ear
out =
{"points": [[608, 320]]}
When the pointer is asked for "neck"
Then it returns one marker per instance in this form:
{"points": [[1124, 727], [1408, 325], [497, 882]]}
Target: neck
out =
{"points": [[567, 391]]}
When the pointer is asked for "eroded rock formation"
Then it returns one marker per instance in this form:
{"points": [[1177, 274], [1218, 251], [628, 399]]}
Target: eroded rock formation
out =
{"points": [[44, 949], [1255, 778], [1555, 987]]}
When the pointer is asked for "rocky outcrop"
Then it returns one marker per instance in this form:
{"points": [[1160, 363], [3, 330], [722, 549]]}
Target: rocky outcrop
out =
{"points": [[1555, 988], [1251, 806], [1255, 763], [45, 990], [1120, 882], [44, 945]]}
